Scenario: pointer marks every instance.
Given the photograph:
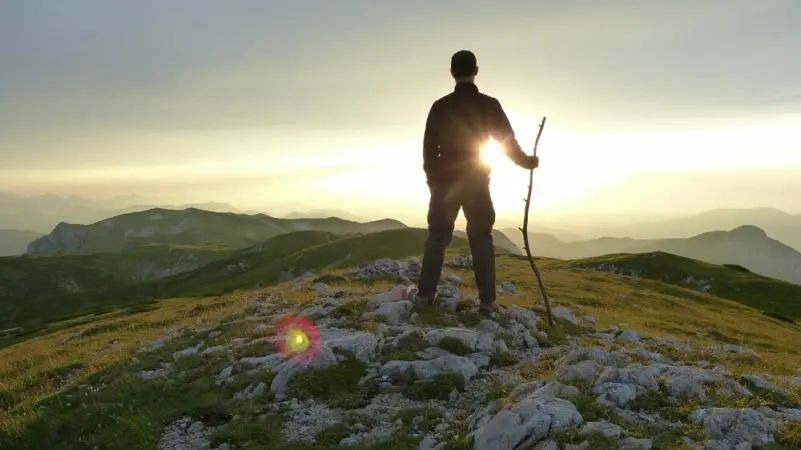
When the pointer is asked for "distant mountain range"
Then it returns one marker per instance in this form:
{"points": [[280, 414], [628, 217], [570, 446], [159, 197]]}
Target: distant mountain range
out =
{"points": [[778, 224], [747, 246], [15, 242], [42, 213], [187, 227], [323, 213]]}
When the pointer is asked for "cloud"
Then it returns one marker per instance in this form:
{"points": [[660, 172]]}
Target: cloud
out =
{"points": [[89, 79]]}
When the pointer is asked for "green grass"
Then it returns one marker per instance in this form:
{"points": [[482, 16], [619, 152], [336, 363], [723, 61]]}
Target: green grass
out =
{"points": [[779, 299], [73, 385], [32, 300], [437, 388], [406, 348], [337, 385]]}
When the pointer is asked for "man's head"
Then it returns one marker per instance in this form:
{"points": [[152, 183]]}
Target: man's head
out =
{"points": [[464, 66]]}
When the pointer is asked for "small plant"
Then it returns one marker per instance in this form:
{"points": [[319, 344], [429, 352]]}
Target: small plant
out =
{"points": [[454, 345], [338, 385], [438, 388], [406, 348], [422, 419], [496, 391], [789, 435], [502, 359]]}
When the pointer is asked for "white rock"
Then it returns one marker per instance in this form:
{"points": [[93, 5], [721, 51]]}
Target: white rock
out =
{"points": [[602, 428], [267, 361], [395, 368], [489, 326], [148, 375], [425, 370], [507, 287], [618, 394], [631, 443], [224, 376], [453, 278], [428, 443], [737, 425], [251, 391], [481, 360], [395, 313], [628, 336], [564, 313], [547, 445], [526, 423], [466, 336], [292, 367], [523, 315], [585, 371], [215, 350], [189, 351], [363, 345]]}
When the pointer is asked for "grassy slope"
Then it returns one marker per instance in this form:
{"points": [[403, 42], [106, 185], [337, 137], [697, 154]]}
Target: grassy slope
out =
{"points": [[285, 255], [26, 281], [760, 292], [46, 407]]}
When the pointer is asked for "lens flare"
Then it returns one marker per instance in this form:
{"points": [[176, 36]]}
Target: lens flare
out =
{"points": [[298, 338]]}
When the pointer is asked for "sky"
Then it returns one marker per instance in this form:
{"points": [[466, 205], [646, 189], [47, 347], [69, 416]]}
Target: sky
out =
{"points": [[652, 107]]}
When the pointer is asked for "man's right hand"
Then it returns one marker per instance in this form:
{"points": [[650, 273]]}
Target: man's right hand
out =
{"points": [[532, 162]]}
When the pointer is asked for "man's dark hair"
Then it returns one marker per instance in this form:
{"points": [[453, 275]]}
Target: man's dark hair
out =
{"points": [[463, 63]]}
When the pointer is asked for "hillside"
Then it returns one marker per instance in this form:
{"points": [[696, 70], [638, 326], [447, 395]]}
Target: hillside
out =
{"points": [[774, 297], [37, 290], [746, 246], [630, 364], [25, 279], [187, 227], [15, 242]]}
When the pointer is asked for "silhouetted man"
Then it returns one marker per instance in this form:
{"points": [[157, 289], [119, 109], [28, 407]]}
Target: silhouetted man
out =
{"points": [[458, 125]]}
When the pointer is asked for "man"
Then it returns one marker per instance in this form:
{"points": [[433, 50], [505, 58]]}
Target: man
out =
{"points": [[458, 125]]}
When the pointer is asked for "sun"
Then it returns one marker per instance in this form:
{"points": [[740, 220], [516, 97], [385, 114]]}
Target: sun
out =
{"points": [[492, 153]]}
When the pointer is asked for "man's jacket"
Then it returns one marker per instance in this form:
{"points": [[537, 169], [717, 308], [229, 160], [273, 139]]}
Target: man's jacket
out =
{"points": [[458, 125]]}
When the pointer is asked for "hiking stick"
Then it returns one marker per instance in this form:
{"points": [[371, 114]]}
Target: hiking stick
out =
{"points": [[524, 230]]}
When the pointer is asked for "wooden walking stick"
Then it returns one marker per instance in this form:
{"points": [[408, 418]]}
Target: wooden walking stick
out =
{"points": [[524, 230]]}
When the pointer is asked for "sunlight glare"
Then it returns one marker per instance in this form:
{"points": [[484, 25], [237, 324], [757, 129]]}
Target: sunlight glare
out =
{"points": [[492, 153]]}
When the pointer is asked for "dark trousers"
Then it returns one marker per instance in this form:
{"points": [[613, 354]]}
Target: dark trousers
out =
{"points": [[472, 195]]}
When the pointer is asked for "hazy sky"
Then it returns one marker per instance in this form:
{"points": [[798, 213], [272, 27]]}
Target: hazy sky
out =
{"points": [[263, 103]]}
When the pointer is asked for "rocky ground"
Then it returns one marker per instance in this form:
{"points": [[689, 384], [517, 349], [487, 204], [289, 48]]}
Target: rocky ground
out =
{"points": [[394, 375]]}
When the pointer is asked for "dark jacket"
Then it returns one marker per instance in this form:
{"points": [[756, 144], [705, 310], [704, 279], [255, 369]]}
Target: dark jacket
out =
{"points": [[457, 125]]}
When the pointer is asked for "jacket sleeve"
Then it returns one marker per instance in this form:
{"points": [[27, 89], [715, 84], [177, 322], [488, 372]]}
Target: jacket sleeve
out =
{"points": [[431, 143], [504, 134]]}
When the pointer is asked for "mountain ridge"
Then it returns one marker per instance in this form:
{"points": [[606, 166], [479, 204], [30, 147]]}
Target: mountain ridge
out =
{"points": [[187, 226], [746, 245]]}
